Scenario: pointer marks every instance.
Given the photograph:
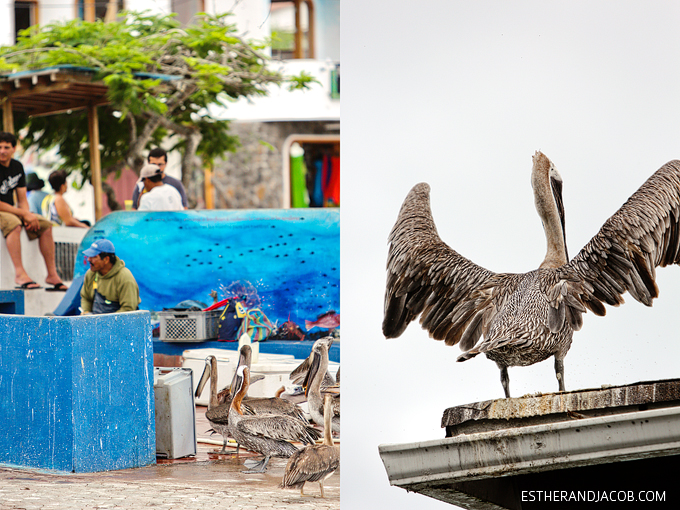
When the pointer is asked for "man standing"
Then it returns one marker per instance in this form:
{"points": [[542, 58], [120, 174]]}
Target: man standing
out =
{"points": [[158, 196], [159, 157], [109, 286], [13, 218]]}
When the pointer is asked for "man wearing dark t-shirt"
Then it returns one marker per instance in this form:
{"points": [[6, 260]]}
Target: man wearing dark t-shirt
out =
{"points": [[14, 218], [160, 158]]}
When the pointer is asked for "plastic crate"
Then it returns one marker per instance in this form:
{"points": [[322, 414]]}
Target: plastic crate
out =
{"points": [[188, 326]]}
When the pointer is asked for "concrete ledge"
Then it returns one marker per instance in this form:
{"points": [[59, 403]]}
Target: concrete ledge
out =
{"points": [[562, 406], [76, 393], [37, 302]]}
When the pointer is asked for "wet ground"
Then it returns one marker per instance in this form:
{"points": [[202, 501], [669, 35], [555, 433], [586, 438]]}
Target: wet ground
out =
{"points": [[207, 481]]}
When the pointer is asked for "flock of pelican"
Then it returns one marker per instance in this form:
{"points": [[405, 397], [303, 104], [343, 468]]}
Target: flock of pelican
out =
{"points": [[269, 426], [526, 318]]}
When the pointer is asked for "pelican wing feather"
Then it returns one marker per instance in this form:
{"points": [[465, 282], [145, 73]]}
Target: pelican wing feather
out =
{"points": [[428, 278], [311, 464], [279, 427], [623, 256]]}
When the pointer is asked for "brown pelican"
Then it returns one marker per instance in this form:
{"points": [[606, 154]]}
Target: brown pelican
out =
{"points": [[260, 405], [526, 318], [298, 375], [268, 434], [315, 376], [218, 411], [315, 463]]}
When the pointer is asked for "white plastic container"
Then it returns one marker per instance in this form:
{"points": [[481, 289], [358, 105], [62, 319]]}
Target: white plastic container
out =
{"points": [[275, 368], [194, 359], [175, 412]]}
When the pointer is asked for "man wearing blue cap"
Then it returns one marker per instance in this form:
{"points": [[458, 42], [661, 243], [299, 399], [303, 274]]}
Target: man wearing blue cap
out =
{"points": [[109, 286]]}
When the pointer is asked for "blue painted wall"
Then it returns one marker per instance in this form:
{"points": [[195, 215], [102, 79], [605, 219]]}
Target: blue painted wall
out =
{"points": [[290, 256], [76, 393]]}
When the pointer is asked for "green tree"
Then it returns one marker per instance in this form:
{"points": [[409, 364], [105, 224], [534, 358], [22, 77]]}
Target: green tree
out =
{"points": [[207, 62]]}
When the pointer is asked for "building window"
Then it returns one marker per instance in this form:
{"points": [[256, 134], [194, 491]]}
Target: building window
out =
{"points": [[292, 26], [187, 9], [25, 15], [91, 10]]}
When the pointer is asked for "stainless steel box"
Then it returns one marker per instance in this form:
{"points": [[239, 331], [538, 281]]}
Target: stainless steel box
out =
{"points": [[175, 412]]}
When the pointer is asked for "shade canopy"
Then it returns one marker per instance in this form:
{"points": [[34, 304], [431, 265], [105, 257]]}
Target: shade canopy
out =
{"points": [[62, 89]]}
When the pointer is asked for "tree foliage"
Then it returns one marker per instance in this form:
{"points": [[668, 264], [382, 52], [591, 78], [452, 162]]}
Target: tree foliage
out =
{"points": [[161, 78]]}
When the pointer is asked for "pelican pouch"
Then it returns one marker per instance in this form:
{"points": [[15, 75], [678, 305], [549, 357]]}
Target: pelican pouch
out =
{"points": [[230, 320]]}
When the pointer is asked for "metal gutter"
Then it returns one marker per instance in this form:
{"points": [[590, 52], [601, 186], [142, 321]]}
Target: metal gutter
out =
{"points": [[564, 444]]}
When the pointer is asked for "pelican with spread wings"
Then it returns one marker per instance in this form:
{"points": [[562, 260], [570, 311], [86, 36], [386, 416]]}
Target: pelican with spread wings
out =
{"points": [[521, 319]]}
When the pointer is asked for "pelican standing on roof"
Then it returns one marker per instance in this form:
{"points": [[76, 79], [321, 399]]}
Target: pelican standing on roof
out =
{"points": [[526, 318], [267, 434], [315, 463], [317, 369]]}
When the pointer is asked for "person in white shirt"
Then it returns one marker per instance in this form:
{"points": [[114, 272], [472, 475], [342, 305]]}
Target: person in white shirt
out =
{"points": [[158, 196]]}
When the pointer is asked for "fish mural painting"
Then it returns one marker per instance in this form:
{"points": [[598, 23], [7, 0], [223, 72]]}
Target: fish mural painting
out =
{"points": [[291, 258], [328, 320]]}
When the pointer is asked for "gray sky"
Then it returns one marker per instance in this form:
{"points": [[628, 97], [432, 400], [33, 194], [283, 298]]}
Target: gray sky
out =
{"points": [[461, 95]]}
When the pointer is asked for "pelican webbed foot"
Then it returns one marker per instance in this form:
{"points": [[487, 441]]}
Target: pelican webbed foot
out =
{"points": [[255, 466]]}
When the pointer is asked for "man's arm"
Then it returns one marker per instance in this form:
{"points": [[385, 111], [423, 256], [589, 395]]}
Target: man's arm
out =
{"points": [[22, 210], [183, 194], [128, 295], [135, 195], [64, 212]]}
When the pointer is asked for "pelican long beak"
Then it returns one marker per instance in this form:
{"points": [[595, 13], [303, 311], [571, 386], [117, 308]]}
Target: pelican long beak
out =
{"points": [[204, 379], [556, 187], [314, 366]]}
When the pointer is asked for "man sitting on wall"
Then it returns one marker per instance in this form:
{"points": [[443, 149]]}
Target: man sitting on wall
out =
{"points": [[158, 196], [14, 218], [159, 157], [109, 286]]}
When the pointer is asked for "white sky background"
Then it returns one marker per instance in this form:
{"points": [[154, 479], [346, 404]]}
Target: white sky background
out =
{"points": [[461, 95]]}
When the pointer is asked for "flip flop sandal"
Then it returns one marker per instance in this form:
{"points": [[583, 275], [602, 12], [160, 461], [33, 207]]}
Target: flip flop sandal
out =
{"points": [[59, 287], [26, 286]]}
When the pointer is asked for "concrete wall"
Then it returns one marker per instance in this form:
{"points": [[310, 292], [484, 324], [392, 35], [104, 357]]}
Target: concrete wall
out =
{"points": [[36, 301], [76, 392], [252, 176]]}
